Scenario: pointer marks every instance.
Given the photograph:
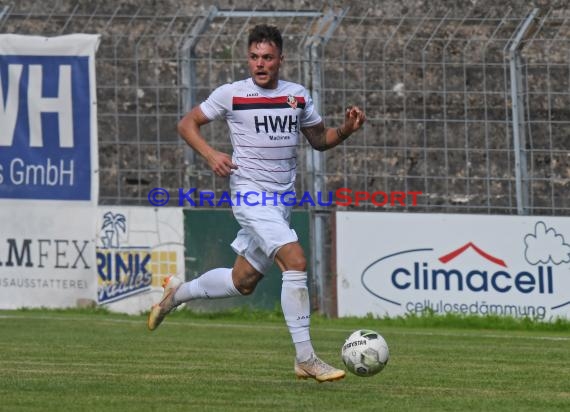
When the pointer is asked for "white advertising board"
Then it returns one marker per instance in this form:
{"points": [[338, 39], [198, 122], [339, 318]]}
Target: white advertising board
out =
{"points": [[47, 254], [392, 264], [137, 247]]}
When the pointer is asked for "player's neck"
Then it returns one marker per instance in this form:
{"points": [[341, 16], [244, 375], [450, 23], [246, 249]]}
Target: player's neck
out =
{"points": [[270, 87]]}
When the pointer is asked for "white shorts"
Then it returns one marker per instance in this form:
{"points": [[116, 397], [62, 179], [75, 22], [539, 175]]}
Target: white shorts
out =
{"points": [[264, 229]]}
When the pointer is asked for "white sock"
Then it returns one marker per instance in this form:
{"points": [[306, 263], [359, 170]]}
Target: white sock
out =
{"points": [[297, 311], [216, 283], [304, 350]]}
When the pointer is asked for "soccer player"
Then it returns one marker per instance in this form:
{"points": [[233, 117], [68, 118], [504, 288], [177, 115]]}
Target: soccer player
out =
{"points": [[264, 115]]}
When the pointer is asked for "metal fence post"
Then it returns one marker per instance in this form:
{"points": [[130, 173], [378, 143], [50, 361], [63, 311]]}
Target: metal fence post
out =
{"points": [[518, 118], [189, 83], [3, 12], [322, 32]]}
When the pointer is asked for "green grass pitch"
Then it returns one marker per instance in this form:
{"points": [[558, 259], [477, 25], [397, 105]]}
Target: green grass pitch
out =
{"points": [[96, 361]]}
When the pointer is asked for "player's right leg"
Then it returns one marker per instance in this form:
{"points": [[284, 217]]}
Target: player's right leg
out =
{"points": [[167, 303], [214, 284]]}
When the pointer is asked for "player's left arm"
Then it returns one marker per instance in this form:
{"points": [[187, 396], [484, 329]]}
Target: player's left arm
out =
{"points": [[323, 138]]}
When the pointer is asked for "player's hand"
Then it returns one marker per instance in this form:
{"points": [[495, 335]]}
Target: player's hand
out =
{"points": [[221, 164], [354, 117]]}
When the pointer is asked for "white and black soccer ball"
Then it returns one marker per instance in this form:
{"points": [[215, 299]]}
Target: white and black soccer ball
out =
{"points": [[365, 352]]}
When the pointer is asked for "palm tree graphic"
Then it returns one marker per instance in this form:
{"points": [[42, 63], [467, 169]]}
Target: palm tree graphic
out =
{"points": [[112, 224]]}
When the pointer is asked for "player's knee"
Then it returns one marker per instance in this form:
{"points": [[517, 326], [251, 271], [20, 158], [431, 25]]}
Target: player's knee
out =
{"points": [[246, 285], [246, 289], [291, 257], [298, 263]]}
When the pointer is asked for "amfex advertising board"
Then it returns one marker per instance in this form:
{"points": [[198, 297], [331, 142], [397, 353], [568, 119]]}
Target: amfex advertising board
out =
{"points": [[392, 264], [48, 119], [47, 255]]}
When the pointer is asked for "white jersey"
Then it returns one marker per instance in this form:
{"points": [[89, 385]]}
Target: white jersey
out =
{"points": [[264, 129]]}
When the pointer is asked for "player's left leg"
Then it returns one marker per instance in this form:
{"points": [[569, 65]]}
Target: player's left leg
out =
{"points": [[296, 309]]}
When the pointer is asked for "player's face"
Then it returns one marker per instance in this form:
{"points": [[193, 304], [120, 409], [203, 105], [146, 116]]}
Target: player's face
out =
{"points": [[264, 60]]}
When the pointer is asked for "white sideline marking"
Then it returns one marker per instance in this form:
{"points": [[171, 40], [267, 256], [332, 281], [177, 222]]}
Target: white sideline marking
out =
{"points": [[211, 324]]}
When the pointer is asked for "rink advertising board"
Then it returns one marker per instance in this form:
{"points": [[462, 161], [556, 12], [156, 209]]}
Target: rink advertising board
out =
{"points": [[137, 248]]}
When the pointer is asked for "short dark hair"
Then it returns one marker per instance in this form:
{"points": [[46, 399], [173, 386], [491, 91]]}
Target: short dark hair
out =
{"points": [[265, 33]]}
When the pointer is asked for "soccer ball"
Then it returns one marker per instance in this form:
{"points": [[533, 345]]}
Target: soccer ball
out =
{"points": [[365, 353]]}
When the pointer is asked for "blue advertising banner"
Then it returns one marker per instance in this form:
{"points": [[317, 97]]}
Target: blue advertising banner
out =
{"points": [[48, 118]]}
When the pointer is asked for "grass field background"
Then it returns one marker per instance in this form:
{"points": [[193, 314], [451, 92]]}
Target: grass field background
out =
{"points": [[96, 361]]}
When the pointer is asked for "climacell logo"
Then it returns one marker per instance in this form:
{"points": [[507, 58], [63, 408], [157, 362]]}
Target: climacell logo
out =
{"points": [[481, 282]]}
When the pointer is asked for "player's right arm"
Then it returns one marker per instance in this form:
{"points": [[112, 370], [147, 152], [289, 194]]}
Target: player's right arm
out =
{"points": [[189, 129]]}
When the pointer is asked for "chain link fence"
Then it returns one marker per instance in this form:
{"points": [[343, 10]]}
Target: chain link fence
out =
{"points": [[438, 92], [437, 87]]}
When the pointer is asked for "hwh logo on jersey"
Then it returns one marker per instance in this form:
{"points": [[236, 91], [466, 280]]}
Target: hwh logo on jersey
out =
{"points": [[277, 124]]}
